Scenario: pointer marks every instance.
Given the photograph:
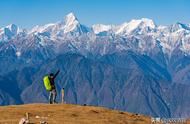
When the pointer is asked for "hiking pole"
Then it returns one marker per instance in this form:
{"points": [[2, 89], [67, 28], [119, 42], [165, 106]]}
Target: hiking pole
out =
{"points": [[62, 95]]}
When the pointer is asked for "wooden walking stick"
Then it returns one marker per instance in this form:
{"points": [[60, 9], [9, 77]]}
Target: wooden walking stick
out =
{"points": [[62, 95]]}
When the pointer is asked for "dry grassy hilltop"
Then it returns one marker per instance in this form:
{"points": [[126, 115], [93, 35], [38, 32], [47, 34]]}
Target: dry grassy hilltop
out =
{"points": [[68, 114]]}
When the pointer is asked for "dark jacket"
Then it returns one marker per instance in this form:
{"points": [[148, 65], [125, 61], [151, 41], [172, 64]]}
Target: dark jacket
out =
{"points": [[52, 80]]}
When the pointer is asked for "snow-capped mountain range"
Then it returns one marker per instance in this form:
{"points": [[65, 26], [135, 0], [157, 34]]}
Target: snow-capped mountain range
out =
{"points": [[136, 66], [168, 37]]}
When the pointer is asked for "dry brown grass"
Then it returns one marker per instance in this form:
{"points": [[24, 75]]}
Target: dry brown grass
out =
{"points": [[69, 114]]}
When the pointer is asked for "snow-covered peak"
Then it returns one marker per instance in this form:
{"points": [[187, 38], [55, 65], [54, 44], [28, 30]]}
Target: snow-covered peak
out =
{"points": [[71, 22], [70, 18], [8, 32], [41, 29], [12, 28], [135, 24], [179, 26], [101, 28], [70, 25], [148, 22]]}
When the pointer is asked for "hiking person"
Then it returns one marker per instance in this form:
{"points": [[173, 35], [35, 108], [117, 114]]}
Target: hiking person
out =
{"points": [[53, 93], [49, 83]]}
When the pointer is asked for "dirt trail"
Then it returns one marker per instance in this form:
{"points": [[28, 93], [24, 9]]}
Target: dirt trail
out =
{"points": [[68, 114]]}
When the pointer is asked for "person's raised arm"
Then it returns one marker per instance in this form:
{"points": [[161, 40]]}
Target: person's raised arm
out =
{"points": [[56, 74]]}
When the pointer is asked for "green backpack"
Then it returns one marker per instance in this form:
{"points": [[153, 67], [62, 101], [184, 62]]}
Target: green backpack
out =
{"points": [[47, 83]]}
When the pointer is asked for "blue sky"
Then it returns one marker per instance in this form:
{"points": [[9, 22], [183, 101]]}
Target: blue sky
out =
{"points": [[28, 13]]}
